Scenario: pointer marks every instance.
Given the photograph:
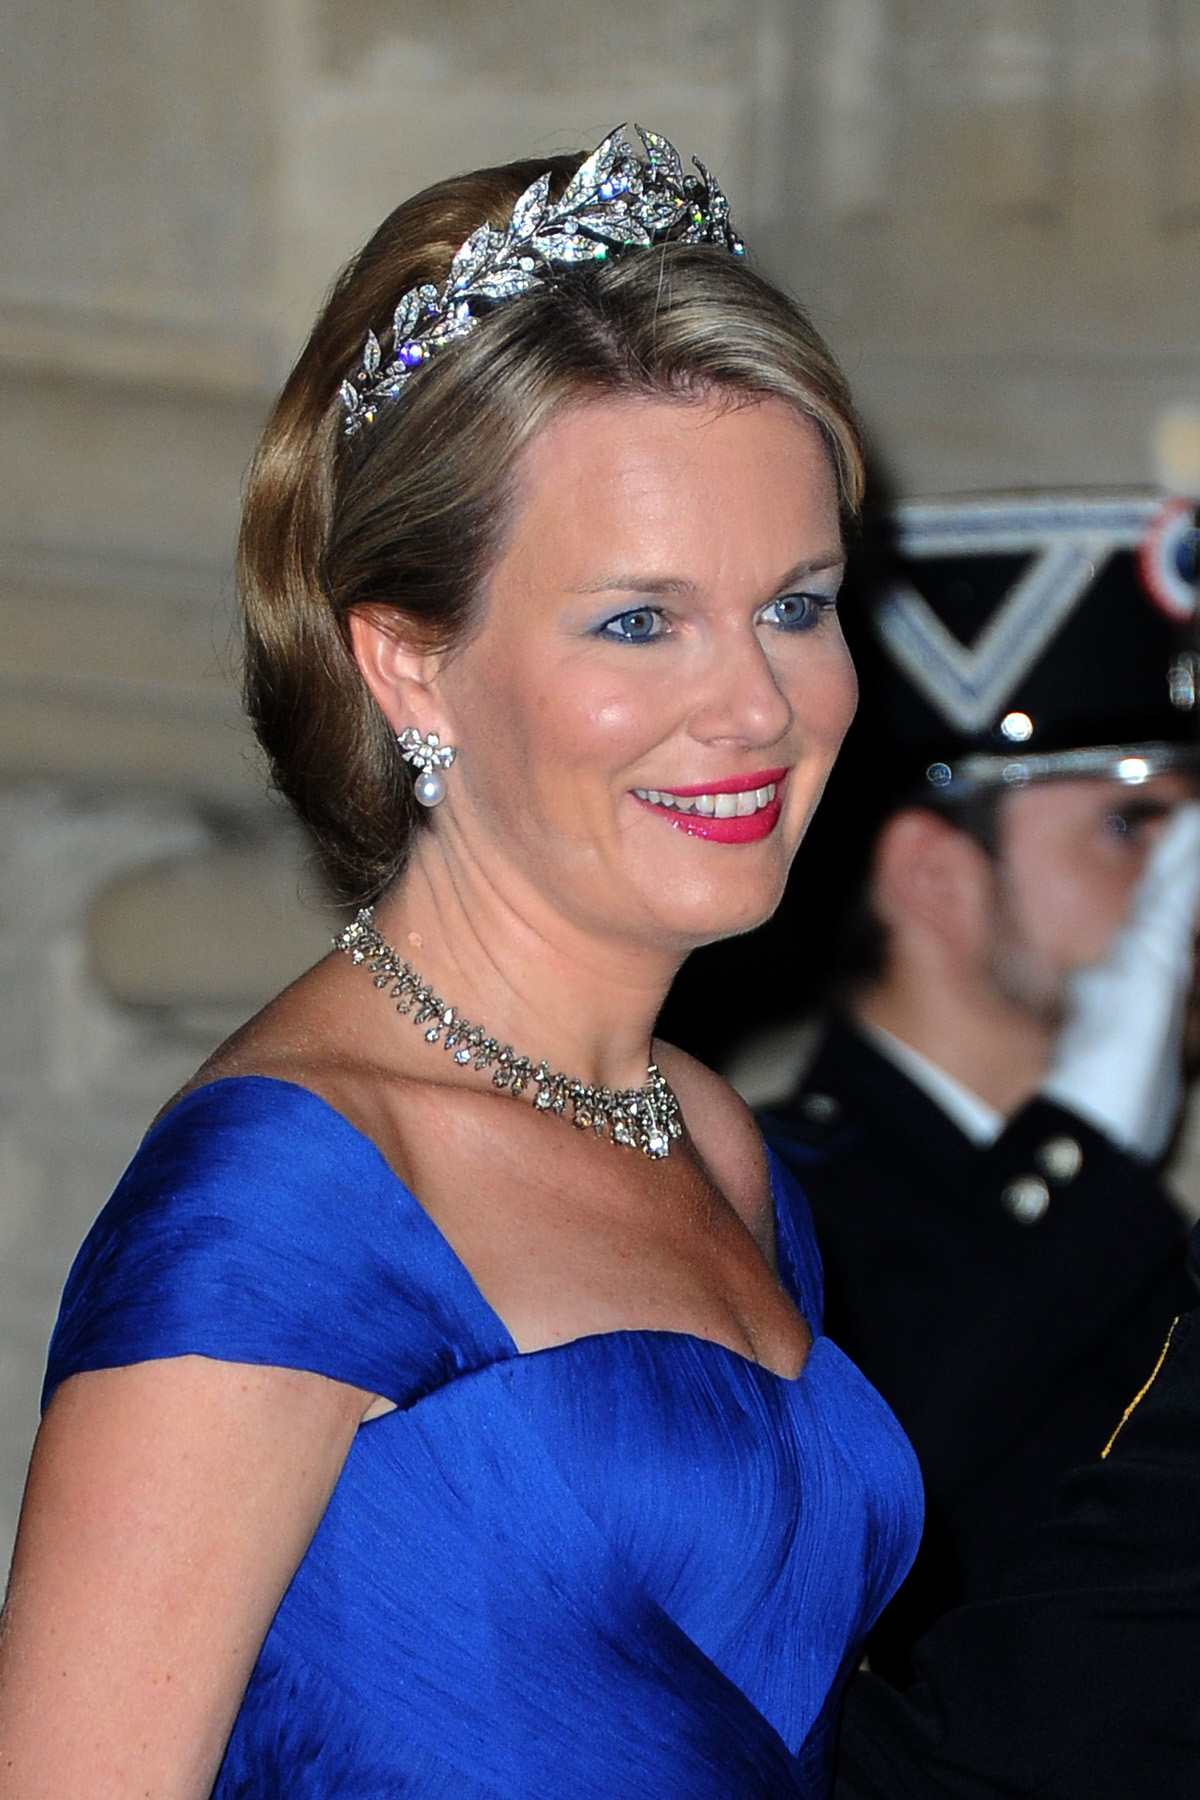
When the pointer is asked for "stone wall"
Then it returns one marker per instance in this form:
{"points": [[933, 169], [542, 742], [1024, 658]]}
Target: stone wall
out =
{"points": [[993, 210]]}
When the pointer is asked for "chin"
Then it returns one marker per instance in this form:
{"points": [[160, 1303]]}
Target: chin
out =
{"points": [[701, 912]]}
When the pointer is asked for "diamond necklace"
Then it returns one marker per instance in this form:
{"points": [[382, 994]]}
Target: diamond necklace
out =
{"points": [[642, 1118]]}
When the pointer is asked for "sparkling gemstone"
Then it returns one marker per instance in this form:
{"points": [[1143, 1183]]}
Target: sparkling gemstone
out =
{"points": [[646, 1118]]}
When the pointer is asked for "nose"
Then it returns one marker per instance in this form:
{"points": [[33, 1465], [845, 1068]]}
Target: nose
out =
{"points": [[742, 702]]}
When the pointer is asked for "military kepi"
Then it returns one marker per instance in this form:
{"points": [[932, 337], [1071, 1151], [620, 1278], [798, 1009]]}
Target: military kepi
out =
{"points": [[1026, 637]]}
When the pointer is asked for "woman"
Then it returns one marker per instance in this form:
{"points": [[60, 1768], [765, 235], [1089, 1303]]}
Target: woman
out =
{"points": [[537, 1484]]}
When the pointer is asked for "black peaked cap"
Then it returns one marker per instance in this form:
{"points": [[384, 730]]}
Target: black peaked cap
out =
{"points": [[992, 633]]}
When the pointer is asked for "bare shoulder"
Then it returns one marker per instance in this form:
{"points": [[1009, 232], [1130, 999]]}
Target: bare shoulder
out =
{"points": [[724, 1131], [298, 1037], [328, 1035], [169, 1504]]}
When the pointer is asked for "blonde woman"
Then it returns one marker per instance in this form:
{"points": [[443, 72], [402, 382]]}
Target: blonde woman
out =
{"points": [[400, 1438]]}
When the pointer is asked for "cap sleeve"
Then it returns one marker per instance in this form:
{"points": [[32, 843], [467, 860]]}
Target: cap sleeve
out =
{"points": [[256, 1225]]}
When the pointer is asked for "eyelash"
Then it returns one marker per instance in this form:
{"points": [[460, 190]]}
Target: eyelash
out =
{"points": [[609, 628], [817, 605]]}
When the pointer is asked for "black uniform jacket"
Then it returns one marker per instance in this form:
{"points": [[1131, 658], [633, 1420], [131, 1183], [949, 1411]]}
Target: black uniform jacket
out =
{"points": [[1006, 1301], [1080, 1680]]}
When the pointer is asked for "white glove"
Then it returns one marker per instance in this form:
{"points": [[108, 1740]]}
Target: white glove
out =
{"points": [[1117, 1061]]}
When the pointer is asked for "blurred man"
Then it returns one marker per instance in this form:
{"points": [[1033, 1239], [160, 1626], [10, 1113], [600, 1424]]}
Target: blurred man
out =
{"points": [[1080, 1678], [979, 1129]]}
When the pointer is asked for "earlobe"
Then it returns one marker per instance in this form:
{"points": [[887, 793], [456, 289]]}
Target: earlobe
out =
{"points": [[397, 673]]}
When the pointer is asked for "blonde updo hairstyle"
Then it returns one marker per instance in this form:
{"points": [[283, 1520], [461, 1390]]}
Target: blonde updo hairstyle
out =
{"points": [[407, 516]]}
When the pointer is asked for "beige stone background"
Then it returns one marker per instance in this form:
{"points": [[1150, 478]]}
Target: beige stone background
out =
{"points": [[991, 206]]}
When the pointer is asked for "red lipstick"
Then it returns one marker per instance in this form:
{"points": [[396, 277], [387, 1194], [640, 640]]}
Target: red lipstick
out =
{"points": [[730, 784], [750, 828], [730, 831]]}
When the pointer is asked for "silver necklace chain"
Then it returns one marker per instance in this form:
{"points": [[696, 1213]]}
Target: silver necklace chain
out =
{"points": [[643, 1118]]}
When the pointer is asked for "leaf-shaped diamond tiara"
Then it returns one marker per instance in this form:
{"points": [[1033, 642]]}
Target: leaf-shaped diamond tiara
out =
{"points": [[615, 201]]}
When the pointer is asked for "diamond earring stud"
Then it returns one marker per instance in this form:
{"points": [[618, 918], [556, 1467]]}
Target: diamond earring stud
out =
{"points": [[428, 756]]}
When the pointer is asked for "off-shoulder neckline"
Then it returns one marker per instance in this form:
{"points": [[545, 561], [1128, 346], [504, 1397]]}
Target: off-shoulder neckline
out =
{"points": [[367, 1145]]}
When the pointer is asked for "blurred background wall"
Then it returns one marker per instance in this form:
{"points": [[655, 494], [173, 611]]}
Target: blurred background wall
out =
{"points": [[992, 207]]}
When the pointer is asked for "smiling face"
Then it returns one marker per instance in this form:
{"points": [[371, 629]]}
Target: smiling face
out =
{"points": [[657, 687]]}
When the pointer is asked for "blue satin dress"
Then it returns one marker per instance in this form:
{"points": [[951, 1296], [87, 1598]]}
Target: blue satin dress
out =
{"points": [[632, 1565]]}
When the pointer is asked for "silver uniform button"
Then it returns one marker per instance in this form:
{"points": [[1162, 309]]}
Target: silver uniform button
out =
{"points": [[1026, 1199], [822, 1109], [1061, 1158]]}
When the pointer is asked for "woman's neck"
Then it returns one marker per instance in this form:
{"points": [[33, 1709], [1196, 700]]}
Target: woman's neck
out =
{"points": [[504, 956]]}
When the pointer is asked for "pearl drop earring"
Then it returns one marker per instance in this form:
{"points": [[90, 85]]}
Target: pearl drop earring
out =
{"points": [[429, 756]]}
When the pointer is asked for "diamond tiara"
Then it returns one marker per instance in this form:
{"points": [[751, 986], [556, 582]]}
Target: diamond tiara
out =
{"points": [[617, 200]]}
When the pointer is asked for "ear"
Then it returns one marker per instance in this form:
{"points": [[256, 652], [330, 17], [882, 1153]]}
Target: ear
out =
{"points": [[400, 676], [933, 878]]}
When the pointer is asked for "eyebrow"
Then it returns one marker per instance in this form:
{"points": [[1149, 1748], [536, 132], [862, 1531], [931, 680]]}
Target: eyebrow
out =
{"points": [[679, 584], [1136, 811]]}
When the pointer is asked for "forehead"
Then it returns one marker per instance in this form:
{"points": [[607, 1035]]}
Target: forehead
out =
{"points": [[695, 485]]}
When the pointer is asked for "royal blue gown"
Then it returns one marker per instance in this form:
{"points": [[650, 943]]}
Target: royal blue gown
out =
{"points": [[632, 1565]]}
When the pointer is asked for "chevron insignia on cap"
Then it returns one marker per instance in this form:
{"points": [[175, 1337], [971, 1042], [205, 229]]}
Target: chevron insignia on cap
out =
{"points": [[1070, 541]]}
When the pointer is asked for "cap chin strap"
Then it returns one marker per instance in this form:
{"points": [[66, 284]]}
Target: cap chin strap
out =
{"points": [[1129, 763]]}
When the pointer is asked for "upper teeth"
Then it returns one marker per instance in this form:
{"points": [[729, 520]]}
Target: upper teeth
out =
{"points": [[713, 806]]}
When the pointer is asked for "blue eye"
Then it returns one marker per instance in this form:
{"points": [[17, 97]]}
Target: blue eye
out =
{"points": [[798, 612], [640, 625]]}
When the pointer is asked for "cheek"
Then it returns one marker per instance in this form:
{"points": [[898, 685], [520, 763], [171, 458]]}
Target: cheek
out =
{"points": [[824, 695], [1114, 887], [843, 695], [1075, 906], [590, 727], [550, 730]]}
